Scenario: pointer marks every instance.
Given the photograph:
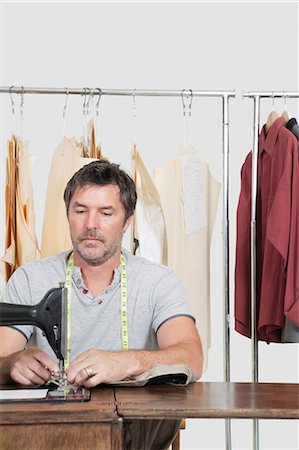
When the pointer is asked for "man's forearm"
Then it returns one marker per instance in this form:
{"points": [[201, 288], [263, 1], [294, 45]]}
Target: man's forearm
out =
{"points": [[107, 366], [183, 353]]}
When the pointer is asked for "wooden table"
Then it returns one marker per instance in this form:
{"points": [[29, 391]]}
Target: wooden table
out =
{"points": [[98, 424], [211, 400], [62, 425]]}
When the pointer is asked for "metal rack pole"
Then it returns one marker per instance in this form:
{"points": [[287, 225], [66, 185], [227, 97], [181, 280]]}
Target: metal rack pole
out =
{"points": [[254, 338], [225, 240], [124, 92], [253, 238]]}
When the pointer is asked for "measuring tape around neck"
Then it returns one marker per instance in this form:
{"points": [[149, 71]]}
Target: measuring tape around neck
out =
{"points": [[68, 285], [123, 304]]}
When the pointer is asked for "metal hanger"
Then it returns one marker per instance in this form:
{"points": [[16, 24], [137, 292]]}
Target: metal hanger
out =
{"points": [[64, 111], [13, 110], [272, 116], [21, 114], [285, 114], [97, 126], [187, 98], [12, 101], [134, 118], [98, 102]]}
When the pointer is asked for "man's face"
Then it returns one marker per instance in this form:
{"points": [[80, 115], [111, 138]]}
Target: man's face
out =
{"points": [[97, 222]]}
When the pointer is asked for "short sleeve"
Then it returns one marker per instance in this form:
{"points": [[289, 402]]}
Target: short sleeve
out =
{"points": [[169, 300]]}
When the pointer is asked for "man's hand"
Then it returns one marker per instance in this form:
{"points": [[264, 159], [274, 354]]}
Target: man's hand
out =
{"points": [[30, 367], [94, 367]]}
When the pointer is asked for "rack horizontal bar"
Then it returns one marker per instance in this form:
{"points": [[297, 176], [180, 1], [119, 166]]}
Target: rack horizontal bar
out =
{"points": [[265, 94], [121, 92]]}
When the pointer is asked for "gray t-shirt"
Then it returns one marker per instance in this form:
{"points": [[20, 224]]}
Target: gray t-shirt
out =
{"points": [[154, 296]]}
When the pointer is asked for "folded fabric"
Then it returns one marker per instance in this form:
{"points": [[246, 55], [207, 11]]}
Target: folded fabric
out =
{"points": [[175, 374]]}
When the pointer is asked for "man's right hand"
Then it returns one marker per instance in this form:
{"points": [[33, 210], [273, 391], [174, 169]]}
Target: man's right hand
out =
{"points": [[29, 367]]}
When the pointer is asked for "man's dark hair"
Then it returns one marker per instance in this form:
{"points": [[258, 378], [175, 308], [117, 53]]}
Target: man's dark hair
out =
{"points": [[102, 172]]}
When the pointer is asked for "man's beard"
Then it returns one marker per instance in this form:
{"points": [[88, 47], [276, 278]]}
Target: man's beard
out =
{"points": [[98, 257]]}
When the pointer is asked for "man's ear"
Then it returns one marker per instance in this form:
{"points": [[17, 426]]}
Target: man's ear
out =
{"points": [[128, 222]]}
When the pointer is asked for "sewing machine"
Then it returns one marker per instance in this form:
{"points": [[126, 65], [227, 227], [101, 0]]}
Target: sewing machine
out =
{"points": [[50, 315]]}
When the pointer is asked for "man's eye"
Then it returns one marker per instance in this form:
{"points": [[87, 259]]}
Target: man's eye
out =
{"points": [[79, 211], [106, 214]]}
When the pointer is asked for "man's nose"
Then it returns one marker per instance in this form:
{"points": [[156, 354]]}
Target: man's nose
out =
{"points": [[91, 221]]}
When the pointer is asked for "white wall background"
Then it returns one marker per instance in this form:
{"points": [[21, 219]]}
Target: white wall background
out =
{"points": [[201, 45]]}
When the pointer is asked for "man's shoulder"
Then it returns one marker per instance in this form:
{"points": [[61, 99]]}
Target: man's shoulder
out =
{"points": [[143, 266], [56, 262]]}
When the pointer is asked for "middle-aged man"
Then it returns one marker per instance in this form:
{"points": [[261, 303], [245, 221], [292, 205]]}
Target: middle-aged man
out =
{"points": [[100, 202]]}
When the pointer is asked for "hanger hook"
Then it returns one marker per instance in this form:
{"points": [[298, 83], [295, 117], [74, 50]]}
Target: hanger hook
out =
{"points": [[190, 103], [134, 103], [98, 102], [84, 100], [187, 97], [66, 100], [184, 106], [273, 106], [285, 101], [90, 95], [12, 101], [22, 102]]}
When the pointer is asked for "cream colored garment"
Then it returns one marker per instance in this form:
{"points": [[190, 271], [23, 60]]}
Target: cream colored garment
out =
{"points": [[189, 196], [149, 225], [67, 159], [20, 238], [175, 374]]}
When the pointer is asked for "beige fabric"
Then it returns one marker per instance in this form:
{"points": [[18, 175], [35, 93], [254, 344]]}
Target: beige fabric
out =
{"points": [[189, 253], [175, 374], [67, 159], [20, 237], [149, 225], [90, 149]]}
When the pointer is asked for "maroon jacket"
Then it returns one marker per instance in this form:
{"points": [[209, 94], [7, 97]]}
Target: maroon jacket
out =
{"points": [[277, 236]]}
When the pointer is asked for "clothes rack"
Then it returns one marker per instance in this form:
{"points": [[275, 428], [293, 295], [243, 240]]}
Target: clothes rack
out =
{"points": [[256, 96], [225, 95]]}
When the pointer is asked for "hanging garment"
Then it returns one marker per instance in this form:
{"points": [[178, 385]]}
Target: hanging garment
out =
{"points": [[67, 159], [189, 194], [8, 261], [20, 237], [290, 332], [90, 149], [149, 233], [293, 126], [277, 247]]}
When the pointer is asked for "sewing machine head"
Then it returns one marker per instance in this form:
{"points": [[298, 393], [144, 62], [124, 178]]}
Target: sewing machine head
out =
{"points": [[50, 314]]}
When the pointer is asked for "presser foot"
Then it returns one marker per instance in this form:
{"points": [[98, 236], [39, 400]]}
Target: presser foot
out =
{"points": [[62, 387], [69, 392]]}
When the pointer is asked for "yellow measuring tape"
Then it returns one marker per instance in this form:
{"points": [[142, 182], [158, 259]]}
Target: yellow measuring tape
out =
{"points": [[123, 305], [68, 285]]}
